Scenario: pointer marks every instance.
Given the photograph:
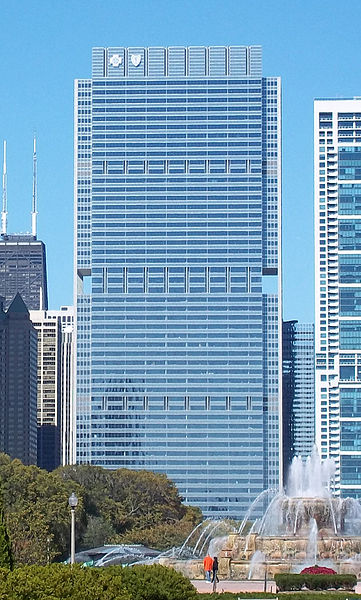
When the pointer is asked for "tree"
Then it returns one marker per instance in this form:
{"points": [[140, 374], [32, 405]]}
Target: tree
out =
{"points": [[114, 506], [164, 535], [126, 499], [98, 532], [6, 555], [36, 511]]}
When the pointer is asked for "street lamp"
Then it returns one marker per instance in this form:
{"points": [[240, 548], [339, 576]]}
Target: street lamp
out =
{"points": [[73, 503]]}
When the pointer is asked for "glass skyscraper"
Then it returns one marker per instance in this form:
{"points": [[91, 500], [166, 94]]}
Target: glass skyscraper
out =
{"points": [[298, 341], [178, 283], [337, 130], [23, 270]]}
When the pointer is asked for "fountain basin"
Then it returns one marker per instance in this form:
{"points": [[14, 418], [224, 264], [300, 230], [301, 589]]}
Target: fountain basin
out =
{"points": [[283, 555], [301, 526]]}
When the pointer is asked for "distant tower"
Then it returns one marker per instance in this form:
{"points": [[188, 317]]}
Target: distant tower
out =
{"points": [[298, 340], [18, 383], [56, 428], [22, 256]]}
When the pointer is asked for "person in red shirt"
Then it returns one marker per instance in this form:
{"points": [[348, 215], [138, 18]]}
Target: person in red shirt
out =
{"points": [[208, 566]]}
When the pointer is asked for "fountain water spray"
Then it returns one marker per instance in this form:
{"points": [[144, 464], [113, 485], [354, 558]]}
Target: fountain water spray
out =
{"points": [[301, 525], [311, 552]]}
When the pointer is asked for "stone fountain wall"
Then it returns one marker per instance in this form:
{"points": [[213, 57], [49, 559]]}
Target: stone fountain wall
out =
{"points": [[284, 555]]}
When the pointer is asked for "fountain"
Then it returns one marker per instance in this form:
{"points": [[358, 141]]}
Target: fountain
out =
{"points": [[302, 525]]}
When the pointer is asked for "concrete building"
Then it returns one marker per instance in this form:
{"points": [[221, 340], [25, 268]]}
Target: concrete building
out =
{"points": [[337, 134], [55, 386]]}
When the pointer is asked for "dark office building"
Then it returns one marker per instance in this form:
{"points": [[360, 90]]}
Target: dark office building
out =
{"points": [[18, 382], [23, 270], [298, 364]]}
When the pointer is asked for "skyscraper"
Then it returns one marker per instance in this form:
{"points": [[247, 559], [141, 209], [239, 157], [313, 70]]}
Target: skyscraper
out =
{"points": [[22, 256], [337, 131], [18, 358], [68, 415], [298, 357], [55, 386], [23, 270], [178, 190]]}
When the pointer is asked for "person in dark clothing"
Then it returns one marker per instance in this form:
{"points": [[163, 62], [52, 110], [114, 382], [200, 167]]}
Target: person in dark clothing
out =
{"points": [[215, 570]]}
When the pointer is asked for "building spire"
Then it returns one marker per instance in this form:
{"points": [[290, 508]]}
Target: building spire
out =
{"points": [[4, 212], [34, 212]]}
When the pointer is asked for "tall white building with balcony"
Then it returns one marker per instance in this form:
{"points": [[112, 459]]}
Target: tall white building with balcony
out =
{"points": [[337, 134], [56, 411]]}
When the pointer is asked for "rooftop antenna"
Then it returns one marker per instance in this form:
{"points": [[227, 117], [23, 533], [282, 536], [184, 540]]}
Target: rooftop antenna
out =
{"points": [[34, 211], [4, 212]]}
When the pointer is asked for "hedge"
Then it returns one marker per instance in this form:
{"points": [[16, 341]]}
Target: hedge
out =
{"points": [[65, 582], [156, 582], [293, 582]]}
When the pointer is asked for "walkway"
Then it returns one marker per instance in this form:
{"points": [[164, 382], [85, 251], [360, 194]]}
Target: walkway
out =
{"points": [[224, 585]]}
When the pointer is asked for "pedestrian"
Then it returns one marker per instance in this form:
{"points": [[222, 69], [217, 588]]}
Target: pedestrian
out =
{"points": [[215, 570], [208, 566]]}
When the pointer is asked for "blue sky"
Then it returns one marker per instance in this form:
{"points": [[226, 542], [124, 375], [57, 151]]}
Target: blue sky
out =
{"points": [[45, 44]]}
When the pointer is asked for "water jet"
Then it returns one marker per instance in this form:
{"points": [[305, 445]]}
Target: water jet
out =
{"points": [[303, 524]]}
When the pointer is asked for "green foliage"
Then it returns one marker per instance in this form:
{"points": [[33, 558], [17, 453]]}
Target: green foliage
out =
{"points": [[164, 535], [114, 507], [295, 582], [155, 582], [126, 499], [98, 532], [36, 511], [62, 582], [6, 554], [126, 506]]}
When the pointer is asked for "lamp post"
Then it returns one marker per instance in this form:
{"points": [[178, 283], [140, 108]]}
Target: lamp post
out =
{"points": [[73, 503], [265, 577]]}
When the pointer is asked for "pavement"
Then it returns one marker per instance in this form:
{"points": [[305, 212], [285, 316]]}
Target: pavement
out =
{"points": [[224, 585]]}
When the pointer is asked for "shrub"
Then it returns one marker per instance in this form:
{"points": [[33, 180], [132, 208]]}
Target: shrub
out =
{"points": [[62, 582], [66, 582], [155, 582], [294, 582], [289, 582]]}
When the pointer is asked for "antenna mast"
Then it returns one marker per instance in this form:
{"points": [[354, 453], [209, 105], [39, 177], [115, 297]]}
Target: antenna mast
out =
{"points": [[34, 211], [4, 212]]}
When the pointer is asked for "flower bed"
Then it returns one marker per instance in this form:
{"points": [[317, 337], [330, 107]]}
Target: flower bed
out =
{"points": [[316, 570]]}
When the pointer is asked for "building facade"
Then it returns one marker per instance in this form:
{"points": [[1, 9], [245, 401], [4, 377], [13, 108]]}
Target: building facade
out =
{"points": [[68, 414], [337, 131], [298, 358], [23, 270], [55, 386], [178, 192], [18, 393]]}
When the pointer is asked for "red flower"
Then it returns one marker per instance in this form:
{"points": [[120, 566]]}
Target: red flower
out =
{"points": [[316, 570]]}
